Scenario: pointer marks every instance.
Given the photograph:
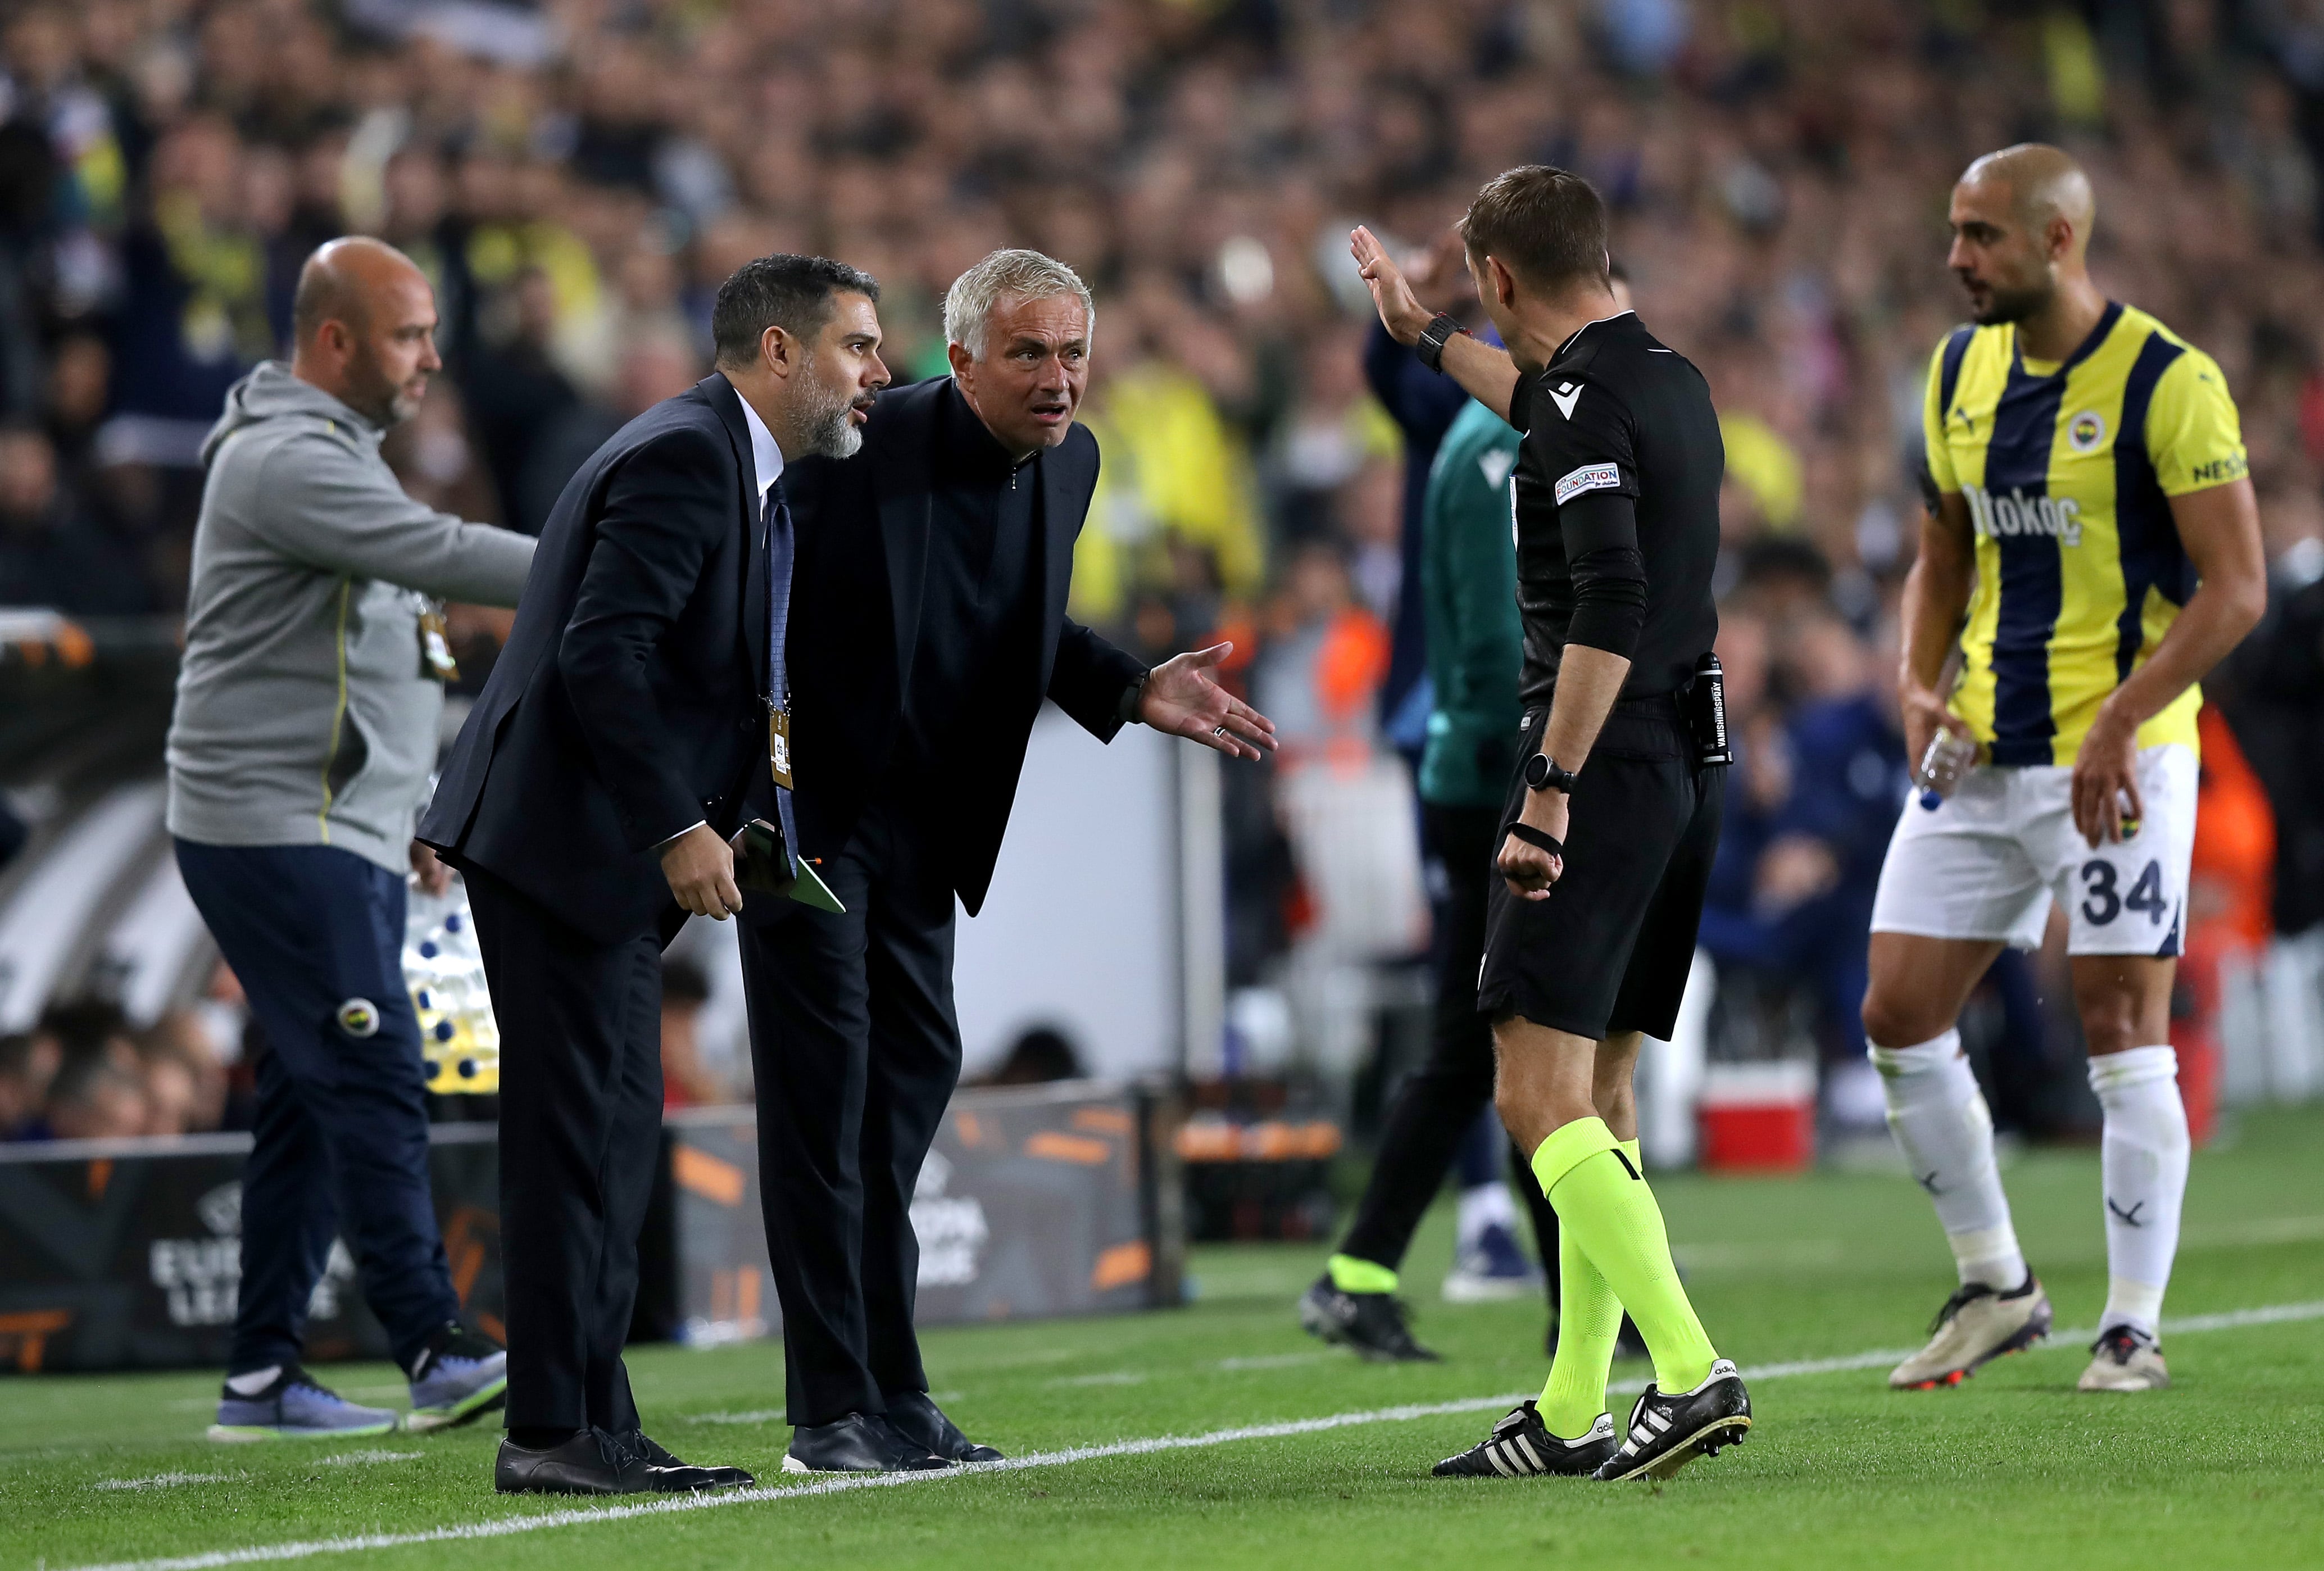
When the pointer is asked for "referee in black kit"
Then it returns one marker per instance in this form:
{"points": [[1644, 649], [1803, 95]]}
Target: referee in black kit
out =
{"points": [[1613, 820]]}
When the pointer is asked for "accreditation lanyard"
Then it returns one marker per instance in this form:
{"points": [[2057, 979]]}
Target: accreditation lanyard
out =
{"points": [[778, 613]]}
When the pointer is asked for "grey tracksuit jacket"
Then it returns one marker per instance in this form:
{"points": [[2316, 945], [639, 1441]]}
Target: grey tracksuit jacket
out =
{"points": [[304, 713]]}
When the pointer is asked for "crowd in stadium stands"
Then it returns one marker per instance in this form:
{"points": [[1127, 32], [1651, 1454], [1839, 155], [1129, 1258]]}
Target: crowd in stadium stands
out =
{"points": [[85, 1073], [575, 189]]}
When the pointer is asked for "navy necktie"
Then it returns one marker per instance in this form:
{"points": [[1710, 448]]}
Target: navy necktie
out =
{"points": [[779, 554]]}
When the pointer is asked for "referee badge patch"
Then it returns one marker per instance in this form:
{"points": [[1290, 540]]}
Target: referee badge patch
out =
{"points": [[1588, 477], [359, 1017]]}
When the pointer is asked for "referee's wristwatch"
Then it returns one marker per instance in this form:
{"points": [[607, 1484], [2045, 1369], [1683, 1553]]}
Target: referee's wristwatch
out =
{"points": [[1543, 774]]}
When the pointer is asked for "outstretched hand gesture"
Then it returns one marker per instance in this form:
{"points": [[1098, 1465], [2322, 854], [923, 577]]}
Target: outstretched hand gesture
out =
{"points": [[1182, 698]]}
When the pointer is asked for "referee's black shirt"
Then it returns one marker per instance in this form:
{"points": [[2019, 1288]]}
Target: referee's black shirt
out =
{"points": [[1617, 503]]}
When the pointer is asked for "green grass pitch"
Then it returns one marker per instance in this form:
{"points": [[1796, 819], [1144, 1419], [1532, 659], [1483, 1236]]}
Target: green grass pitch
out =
{"points": [[2013, 1469]]}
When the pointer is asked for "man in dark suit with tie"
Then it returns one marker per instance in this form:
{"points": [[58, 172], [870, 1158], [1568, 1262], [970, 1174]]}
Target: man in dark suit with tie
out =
{"points": [[590, 799], [927, 625]]}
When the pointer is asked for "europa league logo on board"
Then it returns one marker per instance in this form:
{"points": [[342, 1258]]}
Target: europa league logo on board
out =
{"points": [[951, 1228], [200, 1279]]}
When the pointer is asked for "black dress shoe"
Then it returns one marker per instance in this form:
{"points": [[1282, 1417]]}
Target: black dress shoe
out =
{"points": [[591, 1463], [668, 1475], [923, 1423], [858, 1443]]}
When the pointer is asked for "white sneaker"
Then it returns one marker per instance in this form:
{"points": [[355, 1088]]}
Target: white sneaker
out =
{"points": [[1976, 1326], [1491, 1269], [2125, 1359]]}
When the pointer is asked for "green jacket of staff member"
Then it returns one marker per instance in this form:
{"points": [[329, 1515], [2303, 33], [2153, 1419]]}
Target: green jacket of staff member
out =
{"points": [[1469, 584]]}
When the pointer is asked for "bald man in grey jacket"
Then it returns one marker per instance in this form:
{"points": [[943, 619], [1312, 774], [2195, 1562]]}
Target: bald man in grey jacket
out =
{"points": [[308, 703]]}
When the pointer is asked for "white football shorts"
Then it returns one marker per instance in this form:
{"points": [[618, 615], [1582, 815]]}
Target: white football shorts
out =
{"points": [[1985, 862]]}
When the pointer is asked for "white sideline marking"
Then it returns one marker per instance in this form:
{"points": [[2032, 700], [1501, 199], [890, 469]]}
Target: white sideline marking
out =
{"points": [[754, 1416], [1271, 1361], [365, 1458], [164, 1481], [2267, 1229], [505, 1527]]}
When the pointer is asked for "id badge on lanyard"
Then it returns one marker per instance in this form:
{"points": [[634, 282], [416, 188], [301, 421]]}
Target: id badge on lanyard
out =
{"points": [[435, 661], [778, 744]]}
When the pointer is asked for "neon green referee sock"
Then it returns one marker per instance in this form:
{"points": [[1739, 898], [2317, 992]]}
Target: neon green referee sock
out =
{"points": [[1589, 1324], [1351, 1275], [1603, 1202]]}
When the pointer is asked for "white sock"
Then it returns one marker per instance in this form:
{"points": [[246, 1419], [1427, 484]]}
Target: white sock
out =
{"points": [[1486, 1206], [2144, 1163], [1940, 1120], [256, 1381]]}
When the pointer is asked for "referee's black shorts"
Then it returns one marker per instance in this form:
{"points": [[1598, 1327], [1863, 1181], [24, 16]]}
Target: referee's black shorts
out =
{"points": [[1610, 950]]}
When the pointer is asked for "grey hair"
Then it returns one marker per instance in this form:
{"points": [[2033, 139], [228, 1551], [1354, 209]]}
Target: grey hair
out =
{"points": [[1023, 274]]}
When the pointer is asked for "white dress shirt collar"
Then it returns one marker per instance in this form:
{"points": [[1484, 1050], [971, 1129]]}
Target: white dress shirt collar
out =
{"points": [[766, 457]]}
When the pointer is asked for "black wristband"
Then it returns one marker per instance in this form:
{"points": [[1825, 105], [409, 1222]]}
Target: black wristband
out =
{"points": [[1540, 839], [1439, 332]]}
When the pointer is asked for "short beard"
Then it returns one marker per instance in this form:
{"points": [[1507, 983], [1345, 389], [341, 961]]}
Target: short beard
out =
{"points": [[373, 396], [2016, 305], [825, 427]]}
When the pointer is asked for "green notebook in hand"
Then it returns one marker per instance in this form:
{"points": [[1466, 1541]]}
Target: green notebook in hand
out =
{"points": [[765, 868]]}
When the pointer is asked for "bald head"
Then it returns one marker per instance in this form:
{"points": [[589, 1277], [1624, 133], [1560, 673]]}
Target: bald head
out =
{"points": [[342, 278], [363, 322], [2021, 221], [2043, 184]]}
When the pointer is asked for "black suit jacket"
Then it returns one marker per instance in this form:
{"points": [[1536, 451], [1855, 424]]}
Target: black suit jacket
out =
{"points": [[626, 706], [855, 627]]}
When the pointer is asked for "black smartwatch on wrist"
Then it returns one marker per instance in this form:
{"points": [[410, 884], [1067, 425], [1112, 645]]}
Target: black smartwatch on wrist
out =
{"points": [[1541, 774], [1441, 330]]}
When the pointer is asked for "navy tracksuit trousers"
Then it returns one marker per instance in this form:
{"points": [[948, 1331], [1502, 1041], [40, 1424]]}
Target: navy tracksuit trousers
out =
{"points": [[316, 935]]}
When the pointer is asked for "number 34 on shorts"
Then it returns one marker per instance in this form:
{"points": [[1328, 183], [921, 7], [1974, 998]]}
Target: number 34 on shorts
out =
{"points": [[2102, 901], [1987, 862]]}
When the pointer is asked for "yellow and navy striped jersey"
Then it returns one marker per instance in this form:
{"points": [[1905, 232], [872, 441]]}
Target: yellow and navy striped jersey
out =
{"points": [[2068, 470]]}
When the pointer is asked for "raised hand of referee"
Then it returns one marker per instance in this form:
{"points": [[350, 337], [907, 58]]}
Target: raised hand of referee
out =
{"points": [[1487, 374]]}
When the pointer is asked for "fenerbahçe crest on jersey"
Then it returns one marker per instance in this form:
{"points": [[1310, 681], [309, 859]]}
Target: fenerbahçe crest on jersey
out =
{"points": [[2068, 471]]}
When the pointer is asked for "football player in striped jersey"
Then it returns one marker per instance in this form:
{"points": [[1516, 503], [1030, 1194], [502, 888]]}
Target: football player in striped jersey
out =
{"points": [[2094, 550]]}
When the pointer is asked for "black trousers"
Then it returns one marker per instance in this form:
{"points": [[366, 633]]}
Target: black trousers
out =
{"points": [[1438, 1103], [857, 1051], [580, 1136]]}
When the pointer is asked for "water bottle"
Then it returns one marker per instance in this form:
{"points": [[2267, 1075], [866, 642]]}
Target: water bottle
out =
{"points": [[1948, 760]]}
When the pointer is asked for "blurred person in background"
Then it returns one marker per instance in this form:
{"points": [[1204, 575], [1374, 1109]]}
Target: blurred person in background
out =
{"points": [[519, 399], [180, 1054], [28, 1061], [305, 728], [2097, 526], [94, 1097], [652, 366], [1040, 1056], [192, 315], [686, 1080], [1322, 663], [172, 1095], [1817, 873], [53, 553], [1467, 585], [1333, 431], [80, 374], [1176, 479], [2275, 698]]}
